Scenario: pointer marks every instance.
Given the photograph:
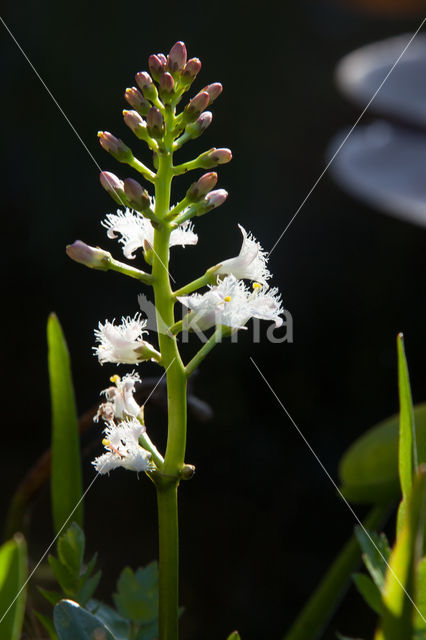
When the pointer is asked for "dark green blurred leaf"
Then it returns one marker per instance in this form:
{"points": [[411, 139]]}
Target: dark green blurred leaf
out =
{"points": [[148, 631], [234, 636], [13, 573], [47, 624], [137, 594], [67, 580], [74, 623], [66, 482], [369, 469], [88, 588], [51, 596], [119, 626], [375, 554], [369, 592], [71, 548], [419, 622], [407, 434]]}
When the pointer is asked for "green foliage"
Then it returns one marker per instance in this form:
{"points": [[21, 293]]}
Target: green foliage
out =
{"points": [[119, 626], [72, 622], [47, 624], [13, 574], [407, 462], [66, 482], [137, 594], [369, 469], [75, 580], [369, 591], [375, 554], [234, 636]]}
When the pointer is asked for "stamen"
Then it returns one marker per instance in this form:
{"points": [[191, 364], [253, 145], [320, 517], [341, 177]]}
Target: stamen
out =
{"points": [[256, 285], [105, 442], [115, 378], [227, 299]]}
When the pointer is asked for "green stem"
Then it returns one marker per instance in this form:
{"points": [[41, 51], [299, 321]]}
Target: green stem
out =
{"points": [[143, 169], [207, 278], [205, 350], [121, 267], [314, 617], [168, 535], [178, 208]]}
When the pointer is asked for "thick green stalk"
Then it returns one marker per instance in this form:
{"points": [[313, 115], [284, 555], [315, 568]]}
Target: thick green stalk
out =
{"points": [[167, 478], [314, 617]]}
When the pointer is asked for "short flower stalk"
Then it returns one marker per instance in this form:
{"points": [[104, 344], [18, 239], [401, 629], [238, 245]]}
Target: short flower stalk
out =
{"points": [[232, 292]]}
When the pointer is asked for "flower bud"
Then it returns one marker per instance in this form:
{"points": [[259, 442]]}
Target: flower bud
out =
{"points": [[195, 129], [195, 106], [112, 185], [176, 60], [92, 257], [137, 101], [135, 123], [115, 147], [213, 157], [215, 198], [191, 70], [146, 85], [214, 90], [199, 189], [167, 85], [156, 66], [136, 195], [155, 123]]}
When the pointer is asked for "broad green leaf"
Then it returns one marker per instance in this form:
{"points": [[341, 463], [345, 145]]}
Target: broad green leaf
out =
{"points": [[67, 580], [74, 623], [407, 433], [148, 631], [369, 591], [66, 482], [369, 469], [137, 594], [399, 589], [234, 636], [375, 554], [71, 548], [88, 588], [47, 624], [119, 626], [13, 574]]}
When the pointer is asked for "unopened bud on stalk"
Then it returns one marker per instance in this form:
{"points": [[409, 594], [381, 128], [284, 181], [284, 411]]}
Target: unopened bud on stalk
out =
{"points": [[192, 69], [157, 66], [155, 123], [215, 199], [115, 147], [92, 257], [213, 157], [195, 129], [135, 123], [214, 90], [146, 85], [195, 106], [176, 60], [199, 189], [112, 185], [136, 195], [167, 85], [137, 101]]}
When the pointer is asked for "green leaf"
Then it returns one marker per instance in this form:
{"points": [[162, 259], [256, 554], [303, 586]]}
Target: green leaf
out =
{"points": [[369, 591], [407, 433], [421, 595], [71, 548], [369, 468], [399, 589], [234, 636], [47, 624], [88, 588], [148, 631], [13, 574], [67, 580], [51, 596], [66, 482], [74, 623], [119, 626], [137, 594], [375, 554]]}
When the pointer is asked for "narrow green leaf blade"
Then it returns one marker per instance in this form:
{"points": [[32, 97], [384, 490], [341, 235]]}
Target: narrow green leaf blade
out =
{"points": [[234, 636], [369, 591], [71, 546], [66, 482], [74, 623], [13, 573], [419, 622], [375, 554], [47, 624], [407, 458]]}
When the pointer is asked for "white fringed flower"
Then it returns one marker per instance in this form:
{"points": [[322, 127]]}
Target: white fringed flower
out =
{"points": [[123, 449], [124, 343], [120, 404], [251, 263], [137, 231], [232, 304]]}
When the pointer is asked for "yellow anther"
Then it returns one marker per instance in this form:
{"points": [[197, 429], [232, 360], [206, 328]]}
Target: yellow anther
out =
{"points": [[115, 378], [227, 299], [256, 285], [105, 442]]}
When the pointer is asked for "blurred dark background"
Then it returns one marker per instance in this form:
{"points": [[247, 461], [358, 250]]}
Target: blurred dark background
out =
{"points": [[259, 522]]}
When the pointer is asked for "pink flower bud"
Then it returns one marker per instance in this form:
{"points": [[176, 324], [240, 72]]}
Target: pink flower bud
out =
{"points": [[112, 185], [146, 85], [156, 66], [195, 106], [176, 60], [115, 147], [192, 69], [200, 188], [214, 90], [136, 195], [216, 198], [133, 120], [92, 257], [213, 157], [167, 84], [155, 123], [137, 101]]}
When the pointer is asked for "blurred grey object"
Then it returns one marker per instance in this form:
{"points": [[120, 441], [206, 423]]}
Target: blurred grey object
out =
{"points": [[384, 163]]}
